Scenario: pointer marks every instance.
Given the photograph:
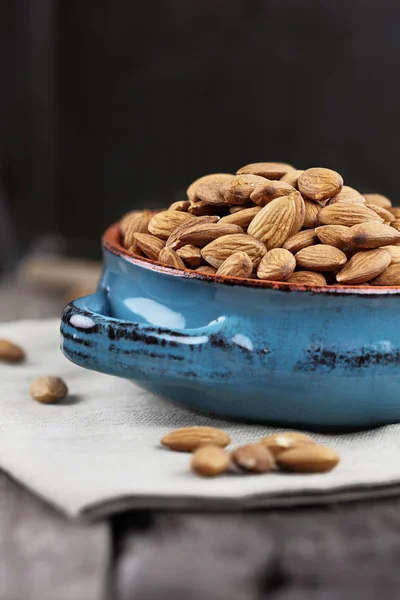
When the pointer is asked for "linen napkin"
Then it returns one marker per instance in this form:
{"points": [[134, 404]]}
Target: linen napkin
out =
{"points": [[98, 451]]}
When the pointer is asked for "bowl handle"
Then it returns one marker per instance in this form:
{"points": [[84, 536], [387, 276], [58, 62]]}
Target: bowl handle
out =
{"points": [[96, 341]]}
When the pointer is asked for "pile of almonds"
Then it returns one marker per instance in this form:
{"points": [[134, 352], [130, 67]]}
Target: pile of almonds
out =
{"points": [[273, 222], [290, 451]]}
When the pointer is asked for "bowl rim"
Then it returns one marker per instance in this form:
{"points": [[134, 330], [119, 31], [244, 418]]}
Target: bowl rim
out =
{"points": [[111, 241]]}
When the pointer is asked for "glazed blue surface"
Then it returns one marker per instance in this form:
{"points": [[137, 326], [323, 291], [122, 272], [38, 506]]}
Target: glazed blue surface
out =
{"points": [[290, 357]]}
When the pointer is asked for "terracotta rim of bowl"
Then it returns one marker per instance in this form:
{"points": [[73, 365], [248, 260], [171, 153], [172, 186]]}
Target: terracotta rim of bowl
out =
{"points": [[112, 242]]}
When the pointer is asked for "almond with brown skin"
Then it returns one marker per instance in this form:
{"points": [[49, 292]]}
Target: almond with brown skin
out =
{"points": [[301, 240], [320, 257], [48, 390], [370, 235], [277, 265], [210, 461], [307, 278], [394, 253], [346, 213], [149, 244], [332, 235], [174, 238], [165, 222], [238, 264], [311, 210], [215, 177], [169, 257], [390, 276], [190, 255], [364, 266], [206, 270], [386, 215], [269, 190], [395, 210], [238, 189], [10, 352], [136, 222], [378, 200], [292, 177], [280, 442], [269, 170], [181, 205], [242, 218], [201, 234], [300, 212], [200, 209], [348, 194], [309, 458], [319, 184], [220, 249], [209, 192], [274, 223], [253, 458], [188, 439]]}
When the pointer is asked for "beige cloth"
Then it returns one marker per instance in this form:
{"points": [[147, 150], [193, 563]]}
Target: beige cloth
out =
{"points": [[98, 451]]}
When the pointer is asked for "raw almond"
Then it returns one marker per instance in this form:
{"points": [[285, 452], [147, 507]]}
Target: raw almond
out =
{"points": [[386, 215], [396, 224], [300, 212], [348, 194], [174, 238], [169, 257], [237, 190], [149, 244], [206, 270], [215, 177], [210, 461], [370, 235], [364, 266], [209, 192], [394, 252], [270, 170], [311, 210], [181, 205], [309, 458], [378, 200], [201, 234], [332, 235], [277, 265], [274, 223], [320, 257], [188, 439], [48, 389], [201, 208], [307, 278], [292, 177], [220, 249], [390, 276], [280, 442], [346, 213], [165, 222], [254, 458], [301, 240], [395, 210], [190, 255], [242, 218], [10, 352], [319, 184], [238, 264], [269, 190], [135, 222]]}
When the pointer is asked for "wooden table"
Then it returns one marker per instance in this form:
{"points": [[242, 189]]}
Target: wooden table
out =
{"points": [[345, 551]]}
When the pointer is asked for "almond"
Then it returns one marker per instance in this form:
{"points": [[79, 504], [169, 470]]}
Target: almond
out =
{"points": [[220, 249], [201, 234], [165, 222], [188, 439], [308, 458], [307, 278], [254, 458], [311, 210], [348, 194], [370, 235], [201, 208], [382, 212], [10, 352], [394, 253], [169, 257], [378, 200], [206, 270], [48, 389], [210, 461], [390, 276], [292, 178], [174, 239], [215, 177], [274, 223], [269, 190], [396, 224], [346, 213], [181, 205], [277, 265], [280, 442], [209, 192], [190, 255], [364, 266], [300, 212], [395, 210], [320, 257], [150, 245], [242, 218], [332, 235], [135, 222], [319, 184], [237, 190], [270, 170], [237, 265], [301, 240]]}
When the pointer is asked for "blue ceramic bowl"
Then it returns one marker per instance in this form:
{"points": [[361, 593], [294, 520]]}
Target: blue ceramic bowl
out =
{"points": [[277, 352]]}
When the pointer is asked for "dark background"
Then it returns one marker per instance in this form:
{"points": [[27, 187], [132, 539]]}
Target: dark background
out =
{"points": [[108, 105]]}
